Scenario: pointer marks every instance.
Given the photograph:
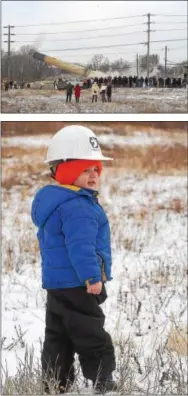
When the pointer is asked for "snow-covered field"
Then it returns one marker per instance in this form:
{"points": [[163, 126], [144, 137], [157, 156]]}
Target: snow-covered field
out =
{"points": [[124, 100], [146, 307]]}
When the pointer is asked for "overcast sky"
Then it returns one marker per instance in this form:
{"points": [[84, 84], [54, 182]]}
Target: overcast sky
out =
{"points": [[129, 28]]}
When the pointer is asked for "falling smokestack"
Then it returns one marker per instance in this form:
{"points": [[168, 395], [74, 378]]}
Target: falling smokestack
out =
{"points": [[66, 66]]}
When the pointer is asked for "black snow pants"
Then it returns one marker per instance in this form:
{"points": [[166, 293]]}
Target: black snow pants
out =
{"points": [[94, 98], [74, 323], [69, 96]]}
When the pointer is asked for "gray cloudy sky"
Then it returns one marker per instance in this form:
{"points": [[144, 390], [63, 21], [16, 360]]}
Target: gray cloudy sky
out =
{"points": [[60, 16]]}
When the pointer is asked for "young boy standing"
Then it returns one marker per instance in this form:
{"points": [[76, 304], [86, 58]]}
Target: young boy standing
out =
{"points": [[74, 241]]}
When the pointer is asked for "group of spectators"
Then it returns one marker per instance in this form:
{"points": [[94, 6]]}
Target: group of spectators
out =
{"points": [[15, 85], [97, 89], [103, 89], [104, 85], [135, 81]]}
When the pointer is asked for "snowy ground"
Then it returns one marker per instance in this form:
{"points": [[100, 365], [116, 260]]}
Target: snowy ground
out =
{"points": [[124, 100], [146, 305], [109, 138]]}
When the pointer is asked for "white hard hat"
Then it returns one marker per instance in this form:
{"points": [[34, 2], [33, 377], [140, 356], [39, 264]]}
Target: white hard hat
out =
{"points": [[74, 142]]}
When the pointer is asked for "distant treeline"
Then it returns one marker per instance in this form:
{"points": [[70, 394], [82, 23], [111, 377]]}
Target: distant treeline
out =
{"points": [[23, 67]]}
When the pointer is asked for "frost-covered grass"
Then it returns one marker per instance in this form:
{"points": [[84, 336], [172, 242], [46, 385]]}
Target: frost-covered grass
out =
{"points": [[146, 307], [124, 100]]}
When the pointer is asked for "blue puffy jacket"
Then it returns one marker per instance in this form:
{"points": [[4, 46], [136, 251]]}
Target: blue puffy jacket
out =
{"points": [[74, 236]]}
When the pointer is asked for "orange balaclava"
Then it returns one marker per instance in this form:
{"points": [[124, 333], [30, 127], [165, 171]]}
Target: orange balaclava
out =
{"points": [[68, 172]]}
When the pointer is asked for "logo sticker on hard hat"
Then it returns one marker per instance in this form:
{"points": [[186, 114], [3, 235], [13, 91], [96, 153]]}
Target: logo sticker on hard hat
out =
{"points": [[94, 142]]}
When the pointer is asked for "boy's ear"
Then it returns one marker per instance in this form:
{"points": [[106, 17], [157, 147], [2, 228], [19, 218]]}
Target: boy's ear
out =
{"points": [[53, 170], [53, 166]]}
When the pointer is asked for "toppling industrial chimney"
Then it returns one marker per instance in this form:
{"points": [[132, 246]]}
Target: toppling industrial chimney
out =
{"points": [[72, 68]]}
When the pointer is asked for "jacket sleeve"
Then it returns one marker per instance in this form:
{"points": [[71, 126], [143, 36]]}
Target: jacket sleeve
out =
{"points": [[80, 229]]}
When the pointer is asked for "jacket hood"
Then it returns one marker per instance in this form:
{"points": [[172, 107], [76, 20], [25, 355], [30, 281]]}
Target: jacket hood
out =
{"points": [[48, 198]]}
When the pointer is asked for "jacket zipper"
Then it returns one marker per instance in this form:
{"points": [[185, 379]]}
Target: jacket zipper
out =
{"points": [[102, 268]]}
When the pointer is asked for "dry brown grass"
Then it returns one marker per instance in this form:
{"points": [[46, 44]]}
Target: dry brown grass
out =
{"points": [[18, 152], [154, 159], [12, 128], [176, 205], [28, 166], [31, 92], [178, 340], [29, 163]]}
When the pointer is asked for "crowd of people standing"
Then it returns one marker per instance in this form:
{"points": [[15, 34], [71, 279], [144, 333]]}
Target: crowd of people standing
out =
{"points": [[135, 81], [102, 87], [97, 90]]}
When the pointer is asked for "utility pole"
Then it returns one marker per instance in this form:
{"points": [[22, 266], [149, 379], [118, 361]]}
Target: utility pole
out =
{"points": [[9, 41], [137, 70], [165, 61], [148, 43], [165, 67]]}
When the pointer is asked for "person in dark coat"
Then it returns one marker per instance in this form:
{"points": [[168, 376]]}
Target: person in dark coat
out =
{"points": [[168, 82], [109, 91], [141, 81], [89, 83], [69, 89], [74, 240], [130, 81], [6, 86]]}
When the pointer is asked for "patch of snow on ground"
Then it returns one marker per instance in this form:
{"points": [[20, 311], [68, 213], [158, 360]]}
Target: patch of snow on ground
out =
{"points": [[109, 139], [124, 100]]}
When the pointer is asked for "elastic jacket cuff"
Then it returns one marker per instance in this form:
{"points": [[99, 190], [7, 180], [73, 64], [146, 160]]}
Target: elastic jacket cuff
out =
{"points": [[92, 281]]}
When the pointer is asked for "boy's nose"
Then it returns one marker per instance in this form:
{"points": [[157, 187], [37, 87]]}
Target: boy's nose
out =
{"points": [[93, 173]]}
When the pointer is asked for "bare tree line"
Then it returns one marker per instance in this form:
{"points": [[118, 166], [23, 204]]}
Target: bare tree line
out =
{"points": [[24, 67]]}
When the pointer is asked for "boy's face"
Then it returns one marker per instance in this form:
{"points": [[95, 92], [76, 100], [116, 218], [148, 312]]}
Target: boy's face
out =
{"points": [[88, 179]]}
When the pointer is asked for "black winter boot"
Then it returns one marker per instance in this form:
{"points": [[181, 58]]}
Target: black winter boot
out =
{"points": [[60, 390], [104, 385]]}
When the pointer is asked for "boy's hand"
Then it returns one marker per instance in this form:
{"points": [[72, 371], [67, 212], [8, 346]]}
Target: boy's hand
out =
{"points": [[96, 288]]}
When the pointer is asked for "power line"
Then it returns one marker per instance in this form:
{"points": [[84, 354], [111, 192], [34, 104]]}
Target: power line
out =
{"points": [[163, 41], [85, 38], [172, 15], [92, 30], [168, 30], [88, 20], [177, 48], [116, 45], [170, 23], [92, 37], [170, 61], [174, 64], [97, 47], [81, 31], [105, 53]]}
